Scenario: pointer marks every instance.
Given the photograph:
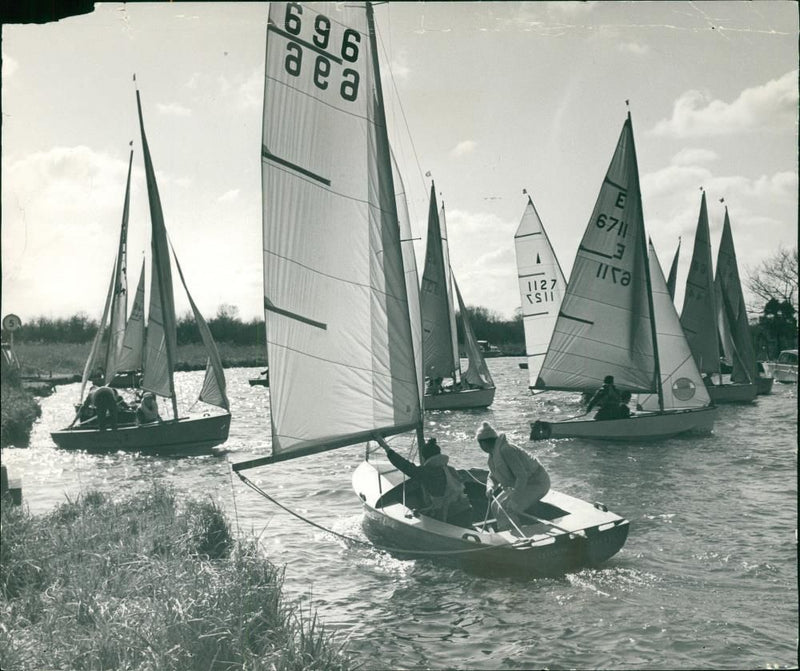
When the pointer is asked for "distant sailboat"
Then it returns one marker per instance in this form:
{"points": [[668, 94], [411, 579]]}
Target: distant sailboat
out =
{"points": [[345, 352], [448, 388], [541, 287], [734, 328], [615, 321], [188, 432], [699, 303]]}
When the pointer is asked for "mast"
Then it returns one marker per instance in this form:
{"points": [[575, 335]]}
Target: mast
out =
{"points": [[648, 281], [380, 124]]}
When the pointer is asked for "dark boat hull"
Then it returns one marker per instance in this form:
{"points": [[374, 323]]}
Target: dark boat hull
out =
{"points": [[187, 434], [577, 535]]}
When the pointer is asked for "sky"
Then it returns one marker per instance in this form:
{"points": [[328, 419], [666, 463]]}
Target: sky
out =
{"points": [[491, 98]]}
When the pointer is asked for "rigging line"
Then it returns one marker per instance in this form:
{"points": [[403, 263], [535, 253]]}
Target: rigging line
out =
{"points": [[402, 110], [385, 548]]}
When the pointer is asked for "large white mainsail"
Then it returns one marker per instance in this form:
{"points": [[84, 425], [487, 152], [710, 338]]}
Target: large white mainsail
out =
{"points": [[732, 310], [541, 286], [699, 304], [681, 382], [161, 343], [439, 339], [339, 339], [605, 325]]}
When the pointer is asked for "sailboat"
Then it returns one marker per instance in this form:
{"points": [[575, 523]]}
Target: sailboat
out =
{"points": [[198, 431], [617, 318], [701, 332], [672, 280], [342, 301], [541, 287], [734, 329], [447, 387]]}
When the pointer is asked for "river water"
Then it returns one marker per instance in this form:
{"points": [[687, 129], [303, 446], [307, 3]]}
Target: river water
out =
{"points": [[707, 578]]}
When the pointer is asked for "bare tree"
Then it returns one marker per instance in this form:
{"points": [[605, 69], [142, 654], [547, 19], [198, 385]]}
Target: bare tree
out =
{"points": [[776, 277]]}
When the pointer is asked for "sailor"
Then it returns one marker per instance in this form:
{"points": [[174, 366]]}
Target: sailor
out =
{"points": [[523, 479], [148, 410], [608, 398], [445, 499], [105, 399]]}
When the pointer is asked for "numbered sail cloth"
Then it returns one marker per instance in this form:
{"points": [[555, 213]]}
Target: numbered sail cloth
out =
{"points": [[339, 337], [541, 287], [604, 326]]}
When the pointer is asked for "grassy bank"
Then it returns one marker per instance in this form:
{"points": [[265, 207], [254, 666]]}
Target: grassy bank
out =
{"points": [[18, 412], [145, 584], [70, 358]]}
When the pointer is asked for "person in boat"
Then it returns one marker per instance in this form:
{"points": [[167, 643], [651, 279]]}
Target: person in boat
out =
{"points": [[148, 409], [624, 407], [445, 498], [517, 480], [106, 404], [435, 386], [608, 398]]}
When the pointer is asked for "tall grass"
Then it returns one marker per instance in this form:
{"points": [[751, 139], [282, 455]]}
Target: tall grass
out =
{"points": [[144, 583], [18, 412]]}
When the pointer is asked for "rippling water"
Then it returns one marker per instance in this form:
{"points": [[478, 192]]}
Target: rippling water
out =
{"points": [[707, 579]]}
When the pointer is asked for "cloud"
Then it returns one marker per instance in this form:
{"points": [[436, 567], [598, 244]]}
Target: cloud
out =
{"points": [[764, 107], [463, 148], [229, 196], [173, 109], [691, 156], [245, 92], [571, 8]]}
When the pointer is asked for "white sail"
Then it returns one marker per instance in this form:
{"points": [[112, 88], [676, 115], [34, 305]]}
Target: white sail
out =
{"points": [[699, 304], [161, 342], [541, 287], [604, 326], [119, 305], [450, 281], [439, 343], [131, 356], [213, 390], [98, 337], [340, 344], [681, 382], [732, 308], [477, 373]]}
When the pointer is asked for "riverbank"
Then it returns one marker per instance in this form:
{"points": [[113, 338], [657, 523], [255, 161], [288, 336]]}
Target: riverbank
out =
{"points": [[147, 582], [18, 411]]}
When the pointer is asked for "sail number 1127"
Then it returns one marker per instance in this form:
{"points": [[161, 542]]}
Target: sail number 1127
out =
{"points": [[317, 49]]}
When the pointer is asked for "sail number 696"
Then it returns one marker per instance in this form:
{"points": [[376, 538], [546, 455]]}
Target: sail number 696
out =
{"points": [[293, 63]]}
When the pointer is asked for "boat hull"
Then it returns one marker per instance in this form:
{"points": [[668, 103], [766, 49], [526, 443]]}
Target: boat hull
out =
{"points": [[460, 400], [732, 393], [764, 385], [785, 374], [187, 434], [580, 535], [259, 382], [643, 426]]}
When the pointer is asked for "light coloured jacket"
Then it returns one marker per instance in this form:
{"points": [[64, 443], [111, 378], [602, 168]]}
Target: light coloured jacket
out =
{"points": [[513, 467]]}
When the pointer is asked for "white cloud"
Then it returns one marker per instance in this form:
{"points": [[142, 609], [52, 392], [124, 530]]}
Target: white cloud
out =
{"points": [[765, 107], [228, 196], [464, 147], [245, 92], [173, 109], [692, 156]]}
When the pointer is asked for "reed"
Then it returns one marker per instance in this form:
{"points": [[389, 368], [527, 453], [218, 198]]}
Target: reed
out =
{"points": [[145, 583], [18, 411]]}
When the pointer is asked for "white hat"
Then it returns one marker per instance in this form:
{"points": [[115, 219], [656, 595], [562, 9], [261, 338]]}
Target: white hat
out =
{"points": [[485, 432]]}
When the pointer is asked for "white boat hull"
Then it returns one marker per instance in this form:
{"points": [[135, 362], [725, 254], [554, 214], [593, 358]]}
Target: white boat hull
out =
{"points": [[571, 535], [459, 400], [187, 434], [732, 393], [639, 426], [785, 374]]}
